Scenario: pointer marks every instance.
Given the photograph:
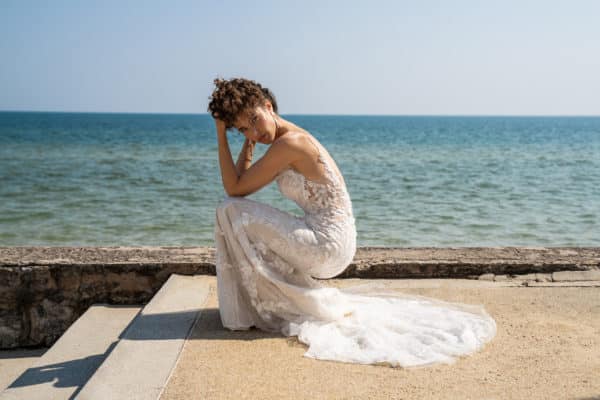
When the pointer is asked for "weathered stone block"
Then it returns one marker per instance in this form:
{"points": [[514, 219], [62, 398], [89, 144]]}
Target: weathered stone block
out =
{"points": [[543, 277], [68, 279], [48, 320], [591, 275], [526, 277], [10, 330]]}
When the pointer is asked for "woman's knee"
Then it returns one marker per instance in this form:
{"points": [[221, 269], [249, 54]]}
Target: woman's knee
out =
{"points": [[229, 201], [233, 211]]}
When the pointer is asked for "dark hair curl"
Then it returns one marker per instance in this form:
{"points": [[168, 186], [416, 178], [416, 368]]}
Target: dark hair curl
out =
{"points": [[234, 96]]}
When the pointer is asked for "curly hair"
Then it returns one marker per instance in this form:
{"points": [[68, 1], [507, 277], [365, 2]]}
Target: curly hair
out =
{"points": [[232, 97]]}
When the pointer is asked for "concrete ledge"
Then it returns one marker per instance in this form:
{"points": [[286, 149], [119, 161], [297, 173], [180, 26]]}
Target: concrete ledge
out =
{"points": [[468, 262], [369, 262], [43, 290], [560, 276]]}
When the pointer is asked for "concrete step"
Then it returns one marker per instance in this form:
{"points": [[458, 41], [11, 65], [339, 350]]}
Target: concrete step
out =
{"points": [[64, 368], [141, 363], [16, 361]]}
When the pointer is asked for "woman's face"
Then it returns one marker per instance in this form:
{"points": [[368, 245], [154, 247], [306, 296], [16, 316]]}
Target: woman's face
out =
{"points": [[257, 124]]}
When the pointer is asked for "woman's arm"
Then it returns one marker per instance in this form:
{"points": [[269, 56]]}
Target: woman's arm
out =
{"points": [[245, 157], [229, 173], [279, 155]]}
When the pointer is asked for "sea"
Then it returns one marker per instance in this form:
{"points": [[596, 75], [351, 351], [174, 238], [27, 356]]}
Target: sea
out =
{"points": [[96, 179]]}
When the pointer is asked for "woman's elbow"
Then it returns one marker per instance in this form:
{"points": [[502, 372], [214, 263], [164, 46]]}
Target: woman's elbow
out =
{"points": [[234, 193]]}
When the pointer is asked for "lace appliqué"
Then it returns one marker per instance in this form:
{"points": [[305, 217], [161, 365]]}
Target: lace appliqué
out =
{"points": [[329, 200], [318, 192], [221, 261], [260, 257]]}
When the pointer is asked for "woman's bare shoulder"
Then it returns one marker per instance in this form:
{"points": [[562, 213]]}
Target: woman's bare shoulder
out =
{"points": [[301, 140]]}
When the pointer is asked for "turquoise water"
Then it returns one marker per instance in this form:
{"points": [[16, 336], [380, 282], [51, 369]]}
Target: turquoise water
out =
{"points": [[135, 179]]}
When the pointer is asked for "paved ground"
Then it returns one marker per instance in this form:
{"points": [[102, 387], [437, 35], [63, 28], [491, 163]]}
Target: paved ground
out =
{"points": [[14, 362], [547, 346]]}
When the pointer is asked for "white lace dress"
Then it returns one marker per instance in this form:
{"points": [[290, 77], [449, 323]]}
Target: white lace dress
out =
{"points": [[266, 259]]}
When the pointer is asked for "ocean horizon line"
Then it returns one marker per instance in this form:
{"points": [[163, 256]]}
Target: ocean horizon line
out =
{"points": [[314, 115]]}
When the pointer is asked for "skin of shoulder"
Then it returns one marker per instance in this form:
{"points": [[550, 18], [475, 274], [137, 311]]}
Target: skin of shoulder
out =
{"points": [[297, 142]]}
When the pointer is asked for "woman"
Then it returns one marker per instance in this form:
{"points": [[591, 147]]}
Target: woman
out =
{"points": [[267, 259]]}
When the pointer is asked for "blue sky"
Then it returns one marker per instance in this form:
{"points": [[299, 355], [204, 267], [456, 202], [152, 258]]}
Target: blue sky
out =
{"points": [[318, 57]]}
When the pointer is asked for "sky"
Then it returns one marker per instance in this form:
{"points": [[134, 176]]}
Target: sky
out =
{"points": [[318, 57]]}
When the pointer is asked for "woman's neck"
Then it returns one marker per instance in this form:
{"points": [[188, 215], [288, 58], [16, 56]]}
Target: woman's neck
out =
{"points": [[285, 127]]}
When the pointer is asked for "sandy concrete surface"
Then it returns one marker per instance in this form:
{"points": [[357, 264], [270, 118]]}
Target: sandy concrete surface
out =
{"points": [[547, 347], [14, 362]]}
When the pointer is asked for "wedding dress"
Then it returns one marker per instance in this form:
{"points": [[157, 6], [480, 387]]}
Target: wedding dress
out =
{"points": [[266, 262]]}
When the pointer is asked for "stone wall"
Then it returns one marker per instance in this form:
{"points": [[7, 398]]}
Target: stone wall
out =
{"points": [[43, 290]]}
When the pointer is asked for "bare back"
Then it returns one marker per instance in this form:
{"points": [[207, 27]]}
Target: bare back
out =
{"points": [[310, 166]]}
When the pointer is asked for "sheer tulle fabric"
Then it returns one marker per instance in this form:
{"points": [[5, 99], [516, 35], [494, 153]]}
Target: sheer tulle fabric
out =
{"points": [[267, 259]]}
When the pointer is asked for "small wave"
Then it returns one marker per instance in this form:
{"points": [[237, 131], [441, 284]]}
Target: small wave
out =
{"points": [[488, 185], [483, 226], [7, 219]]}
